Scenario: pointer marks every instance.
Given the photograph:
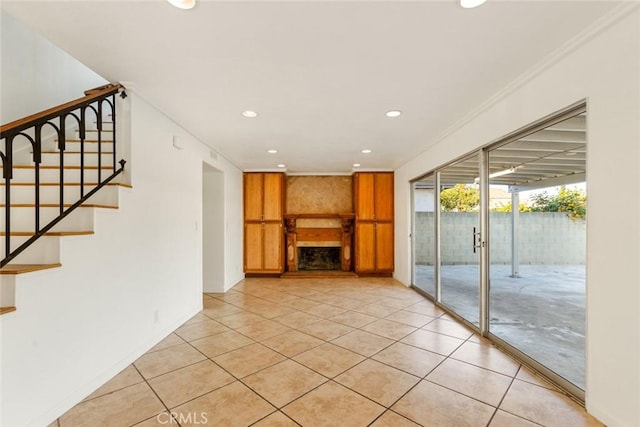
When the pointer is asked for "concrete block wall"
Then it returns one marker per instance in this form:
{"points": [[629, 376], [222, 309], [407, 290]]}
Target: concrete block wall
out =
{"points": [[545, 238]]}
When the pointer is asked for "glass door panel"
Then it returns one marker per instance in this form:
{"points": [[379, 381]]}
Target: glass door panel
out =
{"points": [[424, 256], [459, 225], [537, 251]]}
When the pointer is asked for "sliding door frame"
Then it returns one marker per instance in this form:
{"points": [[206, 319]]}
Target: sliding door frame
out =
{"points": [[484, 296]]}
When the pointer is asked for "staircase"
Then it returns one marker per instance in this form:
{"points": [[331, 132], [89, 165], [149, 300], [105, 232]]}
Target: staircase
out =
{"points": [[58, 166]]}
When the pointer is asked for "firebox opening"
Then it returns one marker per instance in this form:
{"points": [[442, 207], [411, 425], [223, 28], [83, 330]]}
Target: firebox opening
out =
{"points": [[318, 258]]}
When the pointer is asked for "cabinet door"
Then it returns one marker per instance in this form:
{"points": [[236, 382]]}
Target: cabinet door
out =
{"points": [[384, 246], [383, 196], [273, 196], [253, 248], [365, 247], [273, 247], [364, 186], [253, 196]]}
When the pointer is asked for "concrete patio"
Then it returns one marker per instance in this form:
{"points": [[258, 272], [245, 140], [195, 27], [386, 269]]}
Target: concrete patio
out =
{"points": [[542, 312]]}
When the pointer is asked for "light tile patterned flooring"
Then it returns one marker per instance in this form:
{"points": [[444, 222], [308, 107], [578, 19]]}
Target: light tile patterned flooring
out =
{"points": [[324, 352]]}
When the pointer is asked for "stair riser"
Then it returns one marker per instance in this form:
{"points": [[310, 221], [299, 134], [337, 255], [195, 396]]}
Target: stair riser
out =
{"points": [[22, 194], [88, 146], [45, 250], [53, 175], [107, 129], [23, 219], [90, 159]]}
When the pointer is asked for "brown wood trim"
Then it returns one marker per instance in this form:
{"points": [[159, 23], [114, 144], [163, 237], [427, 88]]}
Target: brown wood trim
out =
{"points": [[319, 234], [318, 274], [31, 120], [5, 310], [26, 268], [98, 89], [318, 215]]}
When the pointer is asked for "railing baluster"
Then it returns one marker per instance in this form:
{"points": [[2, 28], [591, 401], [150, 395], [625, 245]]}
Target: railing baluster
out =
{"points": [[82, 119], [113, 127], [37, 158], [61, 183], [7, 216], [7, 172], [99, 140]]}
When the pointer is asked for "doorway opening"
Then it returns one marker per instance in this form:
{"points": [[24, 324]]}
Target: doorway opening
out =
{"points": [[212, 229]]}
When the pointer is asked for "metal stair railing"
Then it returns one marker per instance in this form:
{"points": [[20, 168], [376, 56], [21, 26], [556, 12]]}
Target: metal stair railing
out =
{"points": [[77, 113]]}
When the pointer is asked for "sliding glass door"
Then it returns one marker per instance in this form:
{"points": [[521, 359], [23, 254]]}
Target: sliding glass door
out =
{"points": [[499, 239], [537, 246], [459, 238], [424, 232]]}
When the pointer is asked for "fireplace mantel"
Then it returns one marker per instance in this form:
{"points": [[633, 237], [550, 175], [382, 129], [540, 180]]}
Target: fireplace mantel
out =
{"points": [[318, 230]]}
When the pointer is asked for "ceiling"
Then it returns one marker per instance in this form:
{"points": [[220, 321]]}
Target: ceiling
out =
{"points": [[555, 155], [321, 75]]}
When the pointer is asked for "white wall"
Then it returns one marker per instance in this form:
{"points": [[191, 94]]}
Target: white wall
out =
{"points": [[604, 69], [122, 289], [36, 75]]}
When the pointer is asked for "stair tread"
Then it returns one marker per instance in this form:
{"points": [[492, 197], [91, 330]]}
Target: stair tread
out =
{"points": [[87, 140], [5, 310], [77, 152], [56, 205], [26, 268], [70, 184], [49, 233]]}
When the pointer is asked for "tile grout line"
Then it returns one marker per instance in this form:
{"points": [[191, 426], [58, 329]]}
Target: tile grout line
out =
{"points": [[156, 394], [318, 295], [306, 367], [424, 378], [513, 380]]}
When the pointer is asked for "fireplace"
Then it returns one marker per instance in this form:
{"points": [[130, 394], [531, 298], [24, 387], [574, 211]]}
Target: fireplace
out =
{"points": [[319, 258], [318, 241]]}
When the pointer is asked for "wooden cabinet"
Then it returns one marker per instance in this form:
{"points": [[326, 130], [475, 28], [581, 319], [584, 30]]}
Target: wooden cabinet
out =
{"points": [[373, 203], [263, 223]]}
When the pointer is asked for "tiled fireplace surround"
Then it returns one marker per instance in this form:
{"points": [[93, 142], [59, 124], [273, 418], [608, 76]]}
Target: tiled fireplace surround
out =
{"points": [[319, 214]]}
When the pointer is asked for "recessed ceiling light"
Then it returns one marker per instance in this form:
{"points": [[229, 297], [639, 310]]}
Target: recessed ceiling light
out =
{"points": [[183, 4], [249, 114], [366, 151], [393, 113], [282, 165], [356, 165], [470, 4], [272, 151]]}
